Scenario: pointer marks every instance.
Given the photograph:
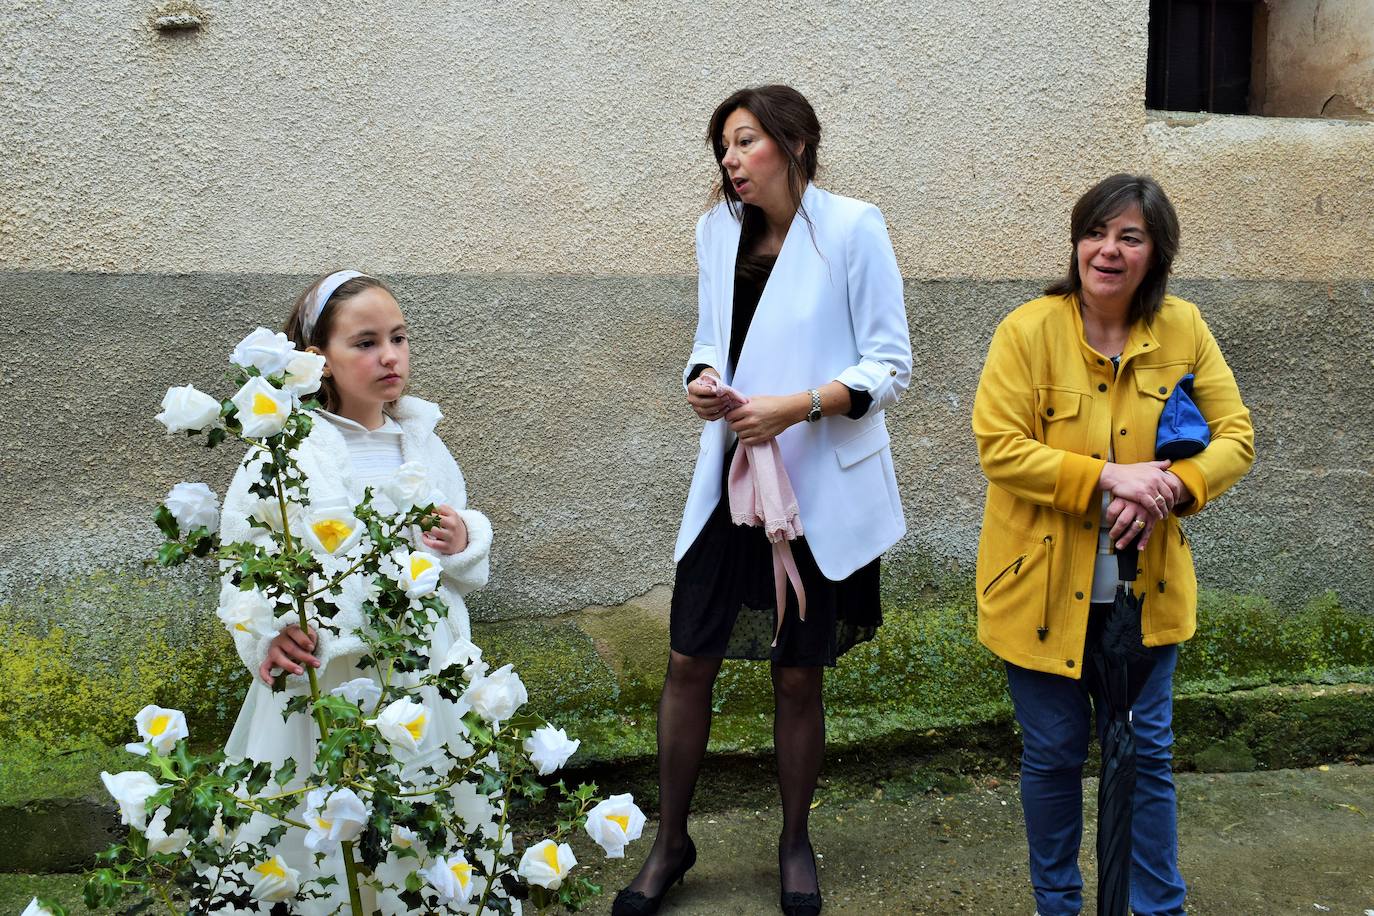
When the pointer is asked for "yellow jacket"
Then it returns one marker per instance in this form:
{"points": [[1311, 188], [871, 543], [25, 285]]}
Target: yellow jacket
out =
{"points": [[1046, 409]]}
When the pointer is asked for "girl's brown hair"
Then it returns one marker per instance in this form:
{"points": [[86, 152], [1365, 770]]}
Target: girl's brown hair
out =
{"points": [[324, 325], [1105, 200]]}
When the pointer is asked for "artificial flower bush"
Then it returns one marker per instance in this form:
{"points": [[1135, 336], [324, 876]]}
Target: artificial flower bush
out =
{"points": [[381, 822]]}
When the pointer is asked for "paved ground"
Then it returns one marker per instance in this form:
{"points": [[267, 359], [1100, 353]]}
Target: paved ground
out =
{"points": [[1282, 842]]}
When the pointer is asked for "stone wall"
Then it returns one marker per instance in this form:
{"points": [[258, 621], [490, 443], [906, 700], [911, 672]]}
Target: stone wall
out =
{"points": [[527, 177]]}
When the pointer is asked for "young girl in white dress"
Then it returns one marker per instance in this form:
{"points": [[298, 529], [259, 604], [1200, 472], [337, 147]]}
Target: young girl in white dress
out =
{"points": [[367, 430]]}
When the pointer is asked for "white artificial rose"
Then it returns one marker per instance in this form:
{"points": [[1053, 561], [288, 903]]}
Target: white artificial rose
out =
{"points": [[465, 654], [403, 723], [36, 909], [220, 835], [615, 822], [193, 505], [363, 691], [403, 837], [131, 790], [333, 530], [498, 695], [451, 878], [159, 840], [185, 408], [264, 350], [263, 408], [547, 864], [303, 373], [247, 611], [274, 880], [408, 487], [549, 748], [419, 572], [160, 728], [267, 511], [335, 816]]}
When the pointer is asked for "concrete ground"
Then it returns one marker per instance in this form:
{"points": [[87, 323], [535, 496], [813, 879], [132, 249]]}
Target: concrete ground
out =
{"points": [[1278, 842], [1281, 842]]}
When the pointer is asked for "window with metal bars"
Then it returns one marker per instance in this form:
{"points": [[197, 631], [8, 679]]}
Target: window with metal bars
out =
{"points": [[1200, 55]]}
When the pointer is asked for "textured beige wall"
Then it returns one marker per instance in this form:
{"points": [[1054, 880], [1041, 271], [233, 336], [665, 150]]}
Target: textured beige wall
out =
{"points": [[1320, 59], [528, 174], [527, 137]]}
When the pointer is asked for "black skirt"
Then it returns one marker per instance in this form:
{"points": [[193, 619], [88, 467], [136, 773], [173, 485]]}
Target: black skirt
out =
{"points": [[725, 604]]}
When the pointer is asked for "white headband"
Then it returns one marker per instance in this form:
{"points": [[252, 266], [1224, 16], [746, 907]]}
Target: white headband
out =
{"points": [[321, 297]]}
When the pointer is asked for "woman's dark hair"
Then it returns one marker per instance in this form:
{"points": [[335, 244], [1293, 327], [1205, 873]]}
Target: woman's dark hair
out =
{"points": [[788, 119], [324, 325], [1106, 200]]}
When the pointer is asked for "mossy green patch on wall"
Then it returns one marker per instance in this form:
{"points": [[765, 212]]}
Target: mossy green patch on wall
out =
{"points": [[79, 659], [66, 681]]}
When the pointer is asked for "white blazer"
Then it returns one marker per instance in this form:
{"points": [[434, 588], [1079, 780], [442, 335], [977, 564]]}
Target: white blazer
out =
{"points": [[833, 314]]}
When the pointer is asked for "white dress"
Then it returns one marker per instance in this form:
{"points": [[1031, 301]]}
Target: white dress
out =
{"points": [[339, 459]]}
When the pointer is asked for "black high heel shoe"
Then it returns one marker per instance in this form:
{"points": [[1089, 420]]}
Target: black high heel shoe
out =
{"points": [[633, 903], [794, 903]]}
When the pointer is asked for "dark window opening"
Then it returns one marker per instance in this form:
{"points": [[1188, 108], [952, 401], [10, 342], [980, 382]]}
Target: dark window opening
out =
{"points": [[1200, 56]]}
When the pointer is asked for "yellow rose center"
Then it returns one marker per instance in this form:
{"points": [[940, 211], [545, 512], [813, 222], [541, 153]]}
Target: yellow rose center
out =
{"points": [[416, 727], [332, 532], [159, 725], [419, 564], [551, 857], [271, 868], [621, 819], [263, 405], [462, 871]]}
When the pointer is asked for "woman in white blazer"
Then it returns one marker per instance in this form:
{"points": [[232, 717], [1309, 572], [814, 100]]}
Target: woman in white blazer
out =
{"points": [[801, 309]]}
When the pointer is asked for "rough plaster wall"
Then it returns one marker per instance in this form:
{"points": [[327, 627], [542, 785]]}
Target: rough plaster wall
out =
{"points": [[528, 175], [538, 138], [1320, 59], [1266, 197], [581, 453]]}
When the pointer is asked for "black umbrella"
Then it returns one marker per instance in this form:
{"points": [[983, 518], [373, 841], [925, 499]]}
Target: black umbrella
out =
{"points": [[1118, 665]]}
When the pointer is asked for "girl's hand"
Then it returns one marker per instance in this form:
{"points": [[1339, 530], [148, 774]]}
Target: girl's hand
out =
{"points": [[289, 650], [1144, 483], [763, 418], [703, 403], [450, 536], [1129, 521]]}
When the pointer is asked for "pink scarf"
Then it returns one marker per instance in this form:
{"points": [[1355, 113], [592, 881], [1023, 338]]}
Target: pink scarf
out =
{"points": [[761, 495]]}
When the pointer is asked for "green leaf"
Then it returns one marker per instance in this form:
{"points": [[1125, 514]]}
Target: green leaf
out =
{"points": [[526, 722], [171, 553], [259, 778], [203, 541], [167, 523], [104, 889], [286, 772], [478, 729]]}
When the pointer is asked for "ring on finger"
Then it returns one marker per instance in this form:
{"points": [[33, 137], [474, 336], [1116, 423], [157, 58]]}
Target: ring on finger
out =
{"points": [[1138, 524]]}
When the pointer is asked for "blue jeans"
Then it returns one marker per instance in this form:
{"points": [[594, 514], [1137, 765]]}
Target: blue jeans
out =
{"points": [[1055, 713]]}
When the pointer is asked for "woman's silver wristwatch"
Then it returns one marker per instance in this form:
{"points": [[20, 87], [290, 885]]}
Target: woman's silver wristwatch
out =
{"points": [[815, 413]]}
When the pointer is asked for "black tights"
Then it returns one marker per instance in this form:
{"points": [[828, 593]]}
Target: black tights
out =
{"points": [[684, 725]]}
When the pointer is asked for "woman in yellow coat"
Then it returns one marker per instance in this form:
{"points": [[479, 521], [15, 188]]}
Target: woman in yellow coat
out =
{"points": [[1065, 418]]}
